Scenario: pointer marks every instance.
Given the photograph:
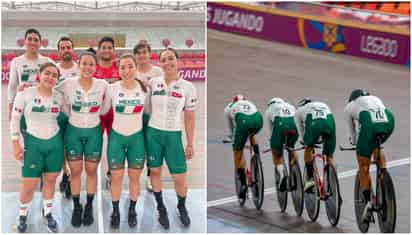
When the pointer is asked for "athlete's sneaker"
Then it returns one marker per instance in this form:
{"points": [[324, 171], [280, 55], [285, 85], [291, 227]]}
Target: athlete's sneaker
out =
{"points": [[367, 216], [281, 180], [22, 226], [88, 215], [163, 218], [149, 186], [77, 216], [183, 216], [115, 219], [309, 184], [132, 218], [51, 223]]}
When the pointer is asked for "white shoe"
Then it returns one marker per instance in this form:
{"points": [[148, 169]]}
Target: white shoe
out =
{"points": [[367, 213], [309, 184]]}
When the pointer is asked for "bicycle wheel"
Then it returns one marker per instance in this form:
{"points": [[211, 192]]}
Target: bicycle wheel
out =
{"points": [[296, 186], [312, 199], [238, 185], [386, 198], [360, 204], [334, 201], [282, 196], [257, 181]]}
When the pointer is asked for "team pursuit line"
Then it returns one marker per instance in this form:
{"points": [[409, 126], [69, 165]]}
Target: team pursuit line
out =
{"points": [[341, 175]]}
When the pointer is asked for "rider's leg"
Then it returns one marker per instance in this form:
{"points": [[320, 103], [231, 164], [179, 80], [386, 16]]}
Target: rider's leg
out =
{"points": [[382, 162], [364, 177], [308, 156], [277, 158]]}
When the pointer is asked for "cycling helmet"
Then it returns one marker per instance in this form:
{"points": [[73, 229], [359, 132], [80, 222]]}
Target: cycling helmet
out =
{"points": [[238, 97], [304, 101], [357, 93], [275, 100]]}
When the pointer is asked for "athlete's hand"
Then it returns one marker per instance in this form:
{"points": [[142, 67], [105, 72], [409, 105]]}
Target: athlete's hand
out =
{"points": [[351, 141], [23, 86], [17, 150], [189, 152]]}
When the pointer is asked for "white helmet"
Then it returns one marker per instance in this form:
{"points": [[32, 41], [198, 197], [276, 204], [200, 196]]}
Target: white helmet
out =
{"points": [[238, 97], [275, 100]]}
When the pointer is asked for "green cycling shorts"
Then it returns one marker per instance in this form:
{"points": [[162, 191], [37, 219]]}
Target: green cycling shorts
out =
{"points": [[165, 145], [368, 130], [122, 147], [321, 127], [245, 125], [85, 142], [42, 156], [282, 126]]}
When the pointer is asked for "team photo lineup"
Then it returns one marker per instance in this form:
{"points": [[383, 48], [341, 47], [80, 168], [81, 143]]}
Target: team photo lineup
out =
{"points": [[76, 109]]}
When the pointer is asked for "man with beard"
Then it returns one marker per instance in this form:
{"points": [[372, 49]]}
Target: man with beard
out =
{"points": [[107, 69], [68, 69]]}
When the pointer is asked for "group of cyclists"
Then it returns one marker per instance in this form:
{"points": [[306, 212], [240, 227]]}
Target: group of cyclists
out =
{"points": [[59, 113], [313, 123]]}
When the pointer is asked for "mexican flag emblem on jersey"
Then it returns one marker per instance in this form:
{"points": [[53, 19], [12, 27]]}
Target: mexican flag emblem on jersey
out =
{"points": [[85, 109], [129, 109]]}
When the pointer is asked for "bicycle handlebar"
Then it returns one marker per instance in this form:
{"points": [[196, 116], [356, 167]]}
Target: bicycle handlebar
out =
{"points": [[342, 148]]}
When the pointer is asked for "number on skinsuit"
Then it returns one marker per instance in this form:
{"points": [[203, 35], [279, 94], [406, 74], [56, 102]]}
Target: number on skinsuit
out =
{"points": [[245, 108], [318, 113], [378, 115], [285, 112]]}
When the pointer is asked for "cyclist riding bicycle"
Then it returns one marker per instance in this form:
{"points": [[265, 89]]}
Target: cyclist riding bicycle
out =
{"points": [[315, 121], [367, 117], [280, 116], [244, 120]]}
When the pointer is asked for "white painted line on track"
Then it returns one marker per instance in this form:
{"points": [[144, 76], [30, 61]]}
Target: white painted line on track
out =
{"points": [[341, 175], [99, 202]]}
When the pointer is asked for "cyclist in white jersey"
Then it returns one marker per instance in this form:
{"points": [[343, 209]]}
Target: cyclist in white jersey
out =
{"points": [[315, 121], [68, 69], [146, 71], [170, 97], [83, 137], [43, 142], [367, 117], [280, 116], [25, 68], [126, 140], [244, 120]]}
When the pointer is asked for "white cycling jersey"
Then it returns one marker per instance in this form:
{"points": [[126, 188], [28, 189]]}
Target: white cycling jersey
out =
{"points": [[68, 73], [318, 110], [40, 113], [279, 109], [371, 104], [85, 106], [168, 101], [24, 71], [152, 73], [128, 106]]}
